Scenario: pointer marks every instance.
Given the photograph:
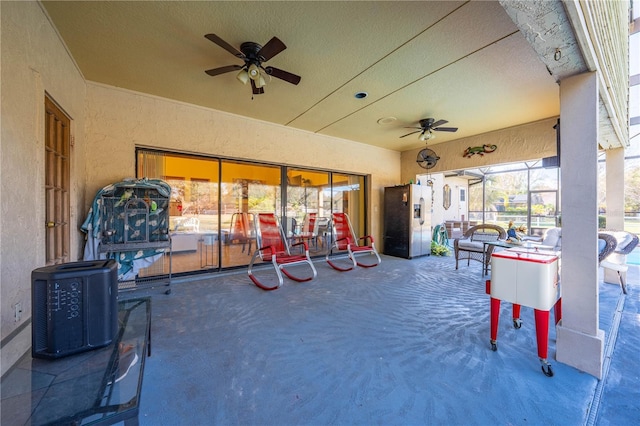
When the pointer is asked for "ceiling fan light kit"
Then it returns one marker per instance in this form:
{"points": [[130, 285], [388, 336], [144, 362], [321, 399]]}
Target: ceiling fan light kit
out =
{"points": [[427, 158], [428, 126], [253, 56], [425, 136], [243, 77]]}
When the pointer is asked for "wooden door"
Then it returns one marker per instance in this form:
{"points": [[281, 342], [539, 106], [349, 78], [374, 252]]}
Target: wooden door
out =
{"points": [[57, 175]]}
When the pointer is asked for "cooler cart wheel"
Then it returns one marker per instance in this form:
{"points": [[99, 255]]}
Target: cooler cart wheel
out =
{"points": [[517, 323], [546, 368], [494, 345]]}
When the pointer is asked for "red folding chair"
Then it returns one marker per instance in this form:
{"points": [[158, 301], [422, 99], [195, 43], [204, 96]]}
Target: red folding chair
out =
{"points": [[344, 239], [273, 247]]}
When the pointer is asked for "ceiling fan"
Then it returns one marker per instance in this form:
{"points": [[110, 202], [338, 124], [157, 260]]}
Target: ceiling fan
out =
{"points": [[427, 159], [253, 56], [428, 126]]}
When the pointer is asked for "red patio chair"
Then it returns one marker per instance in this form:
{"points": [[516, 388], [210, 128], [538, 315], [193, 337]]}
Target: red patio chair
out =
{"points": [[309, 231], [240, 230], [344, 239], [272, 246]]}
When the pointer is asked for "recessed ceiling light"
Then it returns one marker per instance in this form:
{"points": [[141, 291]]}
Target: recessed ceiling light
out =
{"points": [[387, 120], [361, 95]]}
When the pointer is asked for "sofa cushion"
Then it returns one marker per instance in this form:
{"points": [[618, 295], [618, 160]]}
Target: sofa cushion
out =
{"points": [[553, 238], [467, 244], [485, 236], [623, 239]]}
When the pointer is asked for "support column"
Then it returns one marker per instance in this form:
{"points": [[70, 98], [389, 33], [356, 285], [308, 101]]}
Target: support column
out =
{"points": [[580, 342], [615, 205], [615, 189]]}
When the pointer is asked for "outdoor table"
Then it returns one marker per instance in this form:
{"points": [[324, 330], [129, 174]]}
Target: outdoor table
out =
{"points": [[101, 386]]}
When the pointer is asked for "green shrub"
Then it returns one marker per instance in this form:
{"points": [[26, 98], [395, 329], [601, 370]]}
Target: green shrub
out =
{"points": [[439, 249]]}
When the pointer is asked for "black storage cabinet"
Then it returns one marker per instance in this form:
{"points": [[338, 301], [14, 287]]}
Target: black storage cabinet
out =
{"points": [[75, 307]]}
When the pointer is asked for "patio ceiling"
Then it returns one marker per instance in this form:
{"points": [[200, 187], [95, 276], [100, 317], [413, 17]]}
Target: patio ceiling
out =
{"points": [[463, 61]]}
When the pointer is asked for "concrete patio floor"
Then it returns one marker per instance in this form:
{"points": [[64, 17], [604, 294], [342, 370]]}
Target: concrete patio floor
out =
{"points": [[404, 343]]}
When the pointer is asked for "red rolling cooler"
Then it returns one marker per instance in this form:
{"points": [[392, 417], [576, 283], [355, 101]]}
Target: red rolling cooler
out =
{"points": [[526, 277], [75, 307]]}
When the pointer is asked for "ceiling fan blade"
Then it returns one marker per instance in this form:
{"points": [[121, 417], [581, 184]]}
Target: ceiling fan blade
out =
{"points": [[217, 71], [438, 123], [256, 90], [446, 129], [283, 75], [271, 49], [226, 46], [417, 131]]}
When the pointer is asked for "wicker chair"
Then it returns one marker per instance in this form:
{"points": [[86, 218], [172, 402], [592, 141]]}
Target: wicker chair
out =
{"points": [[615, 262], [471, 245], [606, 245]]}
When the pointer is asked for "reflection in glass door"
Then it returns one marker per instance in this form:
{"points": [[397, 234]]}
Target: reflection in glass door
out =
{"points": [[306, 218], [214, 201], [347, 196], [246, 189], [193, 207]]}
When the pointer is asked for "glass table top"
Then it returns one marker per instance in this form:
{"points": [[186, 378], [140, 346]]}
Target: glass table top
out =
{"points": [[98, 386]]}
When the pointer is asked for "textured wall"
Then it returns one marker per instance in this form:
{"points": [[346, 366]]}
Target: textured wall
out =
{"points": [[118, 120], [520, 143], [33, 61]]}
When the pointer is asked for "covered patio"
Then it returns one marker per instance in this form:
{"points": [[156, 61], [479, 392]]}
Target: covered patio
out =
{"points": [[109, 120]]}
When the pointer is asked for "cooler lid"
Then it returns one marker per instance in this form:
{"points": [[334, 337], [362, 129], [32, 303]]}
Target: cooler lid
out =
{"points": [[527, 256]]}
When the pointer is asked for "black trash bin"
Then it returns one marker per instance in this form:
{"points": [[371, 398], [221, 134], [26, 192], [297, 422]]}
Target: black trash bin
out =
{"points": [[75, 307]]}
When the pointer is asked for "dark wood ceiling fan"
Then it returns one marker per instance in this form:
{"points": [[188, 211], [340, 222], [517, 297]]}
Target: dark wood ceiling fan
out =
{"points": [[428, 126], [253, 56]]}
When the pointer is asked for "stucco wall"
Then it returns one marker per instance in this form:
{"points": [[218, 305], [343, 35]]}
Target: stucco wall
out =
{"points": [[34, 61], [521, 143], [118, 120]]}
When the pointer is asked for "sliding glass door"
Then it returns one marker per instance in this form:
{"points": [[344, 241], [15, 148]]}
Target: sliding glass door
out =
{"points": [[307, 217], [214, 202], [193, 209], [348, 196], [246, 189]]}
